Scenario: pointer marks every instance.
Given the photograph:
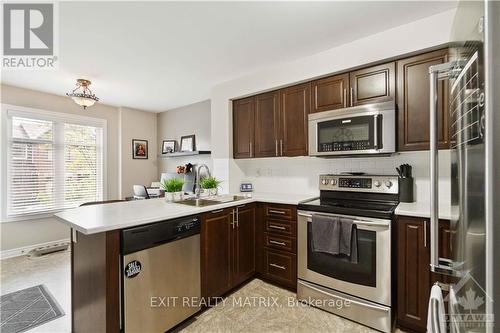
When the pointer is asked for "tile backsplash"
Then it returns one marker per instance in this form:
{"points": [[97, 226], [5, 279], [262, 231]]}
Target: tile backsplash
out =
{"points": [[299, 175]]}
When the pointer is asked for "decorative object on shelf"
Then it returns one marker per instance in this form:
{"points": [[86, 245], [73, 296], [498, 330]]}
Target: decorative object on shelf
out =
{"points": [[173, 188], [211, 184], [82, 95], [187, 168], [188, 143], [405, 183], [139, 149], [168, 146]]}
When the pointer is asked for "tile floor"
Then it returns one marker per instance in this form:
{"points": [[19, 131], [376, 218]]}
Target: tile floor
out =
{"points": [[54, 271]]}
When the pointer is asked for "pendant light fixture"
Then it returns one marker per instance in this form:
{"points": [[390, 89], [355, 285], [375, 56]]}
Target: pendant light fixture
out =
{"points": [[82, 95]]}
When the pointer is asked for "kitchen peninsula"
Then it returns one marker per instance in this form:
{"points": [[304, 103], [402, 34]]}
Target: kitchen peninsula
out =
{"points": [[97, 264]]}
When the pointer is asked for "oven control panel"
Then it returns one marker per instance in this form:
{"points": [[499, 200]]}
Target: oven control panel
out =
{"points": [[362, 183]]}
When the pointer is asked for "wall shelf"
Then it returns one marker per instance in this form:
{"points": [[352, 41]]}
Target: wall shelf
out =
{"points": [[185, 153]]}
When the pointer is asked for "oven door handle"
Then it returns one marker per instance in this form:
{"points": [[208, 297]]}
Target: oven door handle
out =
{"points": [[357, 222]]}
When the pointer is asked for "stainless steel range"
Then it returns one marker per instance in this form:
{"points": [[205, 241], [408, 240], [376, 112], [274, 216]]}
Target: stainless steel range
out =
{"points": [[361, 290]]}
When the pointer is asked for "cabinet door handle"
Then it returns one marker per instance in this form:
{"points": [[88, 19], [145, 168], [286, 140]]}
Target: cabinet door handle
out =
{"points": [[277, 243], [251, 153], [276, 227], [232, 222], [281, 146], [273, 211], [352, 97], [217, 211], [278, 266], [276, 146], [425, 233], [345, 97], [237, 217]]}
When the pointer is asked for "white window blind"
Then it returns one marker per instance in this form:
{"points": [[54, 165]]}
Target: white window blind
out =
{"points": [[52, 164]]}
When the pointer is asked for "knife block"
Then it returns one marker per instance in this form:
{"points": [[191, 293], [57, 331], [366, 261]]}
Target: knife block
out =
{"points": [[406, 189]]}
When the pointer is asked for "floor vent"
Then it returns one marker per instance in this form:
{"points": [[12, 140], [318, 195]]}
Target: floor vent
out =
{"points": [[43, 250]]}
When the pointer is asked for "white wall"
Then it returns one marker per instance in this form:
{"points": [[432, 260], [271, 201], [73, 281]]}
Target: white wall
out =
{"points": [[190, 119], [302, 172], [137, 124], [143, 124]]}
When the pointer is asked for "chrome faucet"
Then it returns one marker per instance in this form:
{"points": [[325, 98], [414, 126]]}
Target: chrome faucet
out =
{"points": [[198, 178]]}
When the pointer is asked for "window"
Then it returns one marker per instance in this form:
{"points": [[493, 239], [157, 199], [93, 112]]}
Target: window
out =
{"points": [[53, 162]]}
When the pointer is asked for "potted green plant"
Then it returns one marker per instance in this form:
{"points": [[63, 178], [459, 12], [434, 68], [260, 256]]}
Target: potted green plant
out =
{"points": [[211, 184], [173, 188]]}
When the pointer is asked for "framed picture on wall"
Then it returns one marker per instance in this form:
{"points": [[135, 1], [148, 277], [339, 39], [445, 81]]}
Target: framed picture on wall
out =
{"points": [[188, 143], [168, 146], [139, 149]]}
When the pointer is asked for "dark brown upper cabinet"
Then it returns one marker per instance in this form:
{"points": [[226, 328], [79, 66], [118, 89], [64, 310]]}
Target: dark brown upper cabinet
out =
{"points": [[373, 84], [330, 93], [413, 102], [266, 124], [243, 127], [295, 106]]}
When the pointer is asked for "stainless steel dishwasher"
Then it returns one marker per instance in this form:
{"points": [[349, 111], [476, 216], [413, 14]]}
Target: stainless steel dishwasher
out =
{"points": [[161, 270]]}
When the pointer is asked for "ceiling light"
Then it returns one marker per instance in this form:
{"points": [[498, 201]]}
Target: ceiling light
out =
{"points": [[82, 95]]}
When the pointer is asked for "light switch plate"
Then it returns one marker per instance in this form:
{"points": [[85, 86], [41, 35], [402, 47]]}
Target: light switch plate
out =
{"points": [[246, 187]]}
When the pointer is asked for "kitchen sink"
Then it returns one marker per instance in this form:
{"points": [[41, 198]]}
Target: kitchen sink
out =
{"points": [[226, 198], [197, 202], [209, 201]]}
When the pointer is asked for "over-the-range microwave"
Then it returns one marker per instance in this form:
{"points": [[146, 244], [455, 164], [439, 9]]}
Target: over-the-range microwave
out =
{"points": [[360, 130]]}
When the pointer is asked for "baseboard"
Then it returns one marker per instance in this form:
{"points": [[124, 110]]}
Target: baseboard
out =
{"points": [[21, 251]]}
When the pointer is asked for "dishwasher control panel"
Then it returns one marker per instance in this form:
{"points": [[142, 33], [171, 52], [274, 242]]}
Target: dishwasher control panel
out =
{"points": [[188, 225], [154, 234]]}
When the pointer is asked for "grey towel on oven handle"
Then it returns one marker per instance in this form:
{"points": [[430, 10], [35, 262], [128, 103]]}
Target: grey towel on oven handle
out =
{"points": [[349, 239], [325, 234]]}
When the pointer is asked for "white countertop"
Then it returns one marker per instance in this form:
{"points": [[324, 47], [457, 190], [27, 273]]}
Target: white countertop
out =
{"points": [[423, 209], [99, 218]]}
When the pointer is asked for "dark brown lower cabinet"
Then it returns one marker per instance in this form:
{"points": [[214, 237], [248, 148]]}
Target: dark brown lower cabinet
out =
{"points": [[227, 249], [413, 259], [216, 252], [280, 267], [244, 244], [414, 278], [276, 251]]}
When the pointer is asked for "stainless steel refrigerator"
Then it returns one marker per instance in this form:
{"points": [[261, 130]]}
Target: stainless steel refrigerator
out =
{"points": [[473, 81]]}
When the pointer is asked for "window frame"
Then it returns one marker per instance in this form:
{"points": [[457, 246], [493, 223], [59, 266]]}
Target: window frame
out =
{"points": [[59, 118]]}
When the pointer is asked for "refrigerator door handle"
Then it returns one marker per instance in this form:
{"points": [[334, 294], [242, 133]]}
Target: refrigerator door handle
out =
{"points": [[436, 73]]}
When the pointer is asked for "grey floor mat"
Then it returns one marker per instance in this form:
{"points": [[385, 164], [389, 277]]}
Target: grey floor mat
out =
{"points": [[27, 308]]}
